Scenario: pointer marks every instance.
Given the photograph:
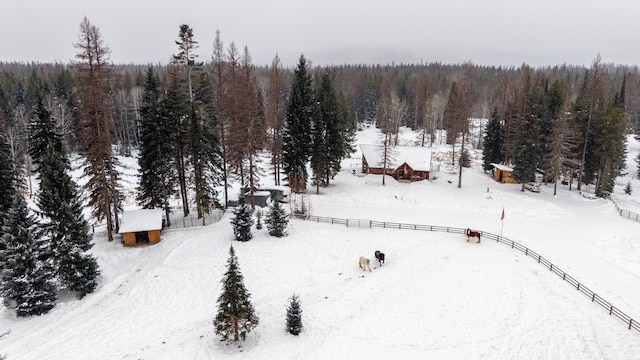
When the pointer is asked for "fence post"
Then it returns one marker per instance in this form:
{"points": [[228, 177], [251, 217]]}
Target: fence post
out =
{"points": [[551, 267], [526, 253], [538, 258], [593, 297], [578, 288], [630, 321], [610, 309], [512, 243]]}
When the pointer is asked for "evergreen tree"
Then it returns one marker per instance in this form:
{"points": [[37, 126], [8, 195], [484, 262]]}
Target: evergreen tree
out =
{"points": [[344, 133], [8, 183], [492, 152], [174, 110], [27, 275], [61, 209], [236, 316], [610, 148], [276, 220], [157, 170], [294, 315], [325, 112], [42, 131], [628, 189], [332, 133], [589, 108], [242, 222], [204, 149], [296, 135], [527, 149], [259, 219], [465, 159]]}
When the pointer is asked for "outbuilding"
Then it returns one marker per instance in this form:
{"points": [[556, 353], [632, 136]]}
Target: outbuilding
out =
{"points": [[503, 174], [141, 226]]}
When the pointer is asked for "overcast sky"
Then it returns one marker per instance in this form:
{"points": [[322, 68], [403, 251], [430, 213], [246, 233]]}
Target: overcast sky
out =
{"points": [[486, 32]]}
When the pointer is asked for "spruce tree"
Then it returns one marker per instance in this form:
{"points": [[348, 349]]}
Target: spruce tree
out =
{"points": [[259, 220], [296, 135], [236, 316], [27, 278], [157, 170], [628, 189], [242, 222], [63, 222], [492, 152], [294, 315], [276, 220], [8, 185], [326, 112], [60, 208], [343, 136]]}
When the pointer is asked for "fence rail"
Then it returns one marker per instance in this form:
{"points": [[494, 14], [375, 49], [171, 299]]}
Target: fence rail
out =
{"points": [[613, 311], [178, 222], [626, 213]]}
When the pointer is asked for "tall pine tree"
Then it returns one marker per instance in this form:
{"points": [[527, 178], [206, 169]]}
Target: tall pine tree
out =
{"points": [[60, 208], [492, 152], [157, 170], [296, 135], [8, 182], [27, 278], [236, 316]]}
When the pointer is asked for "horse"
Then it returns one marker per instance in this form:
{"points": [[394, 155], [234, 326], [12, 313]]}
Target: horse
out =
{"points": [[380, 257], [473, 234], [364, 263]]}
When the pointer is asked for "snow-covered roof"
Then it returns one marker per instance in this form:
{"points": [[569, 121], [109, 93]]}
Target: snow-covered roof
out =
{"points": [[284, 189], [418, 157], [502, 167], [141, 220]]}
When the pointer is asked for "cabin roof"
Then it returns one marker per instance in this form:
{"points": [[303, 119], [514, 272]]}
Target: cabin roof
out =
{"points": [[141, 220], [417, 157]]}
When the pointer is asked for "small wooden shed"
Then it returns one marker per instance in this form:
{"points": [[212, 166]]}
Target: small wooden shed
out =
{"points": [[141, 226], [503, 174]]}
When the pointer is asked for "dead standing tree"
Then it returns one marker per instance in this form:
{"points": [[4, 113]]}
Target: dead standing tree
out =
{"points": [[96, 126]]}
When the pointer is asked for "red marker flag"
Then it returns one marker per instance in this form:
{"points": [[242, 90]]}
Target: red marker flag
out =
{"points": [[502, 217]]}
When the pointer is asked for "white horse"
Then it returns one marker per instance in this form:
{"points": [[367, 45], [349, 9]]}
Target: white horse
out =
{"points": [[364, 263]]}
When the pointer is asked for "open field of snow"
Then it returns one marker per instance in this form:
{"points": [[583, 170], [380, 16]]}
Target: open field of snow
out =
{"points": [[437, 296]]}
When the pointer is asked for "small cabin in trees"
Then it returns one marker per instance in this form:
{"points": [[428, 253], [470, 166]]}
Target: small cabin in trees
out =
{"points": [[141, 226], [503, 174], [405, 163]]}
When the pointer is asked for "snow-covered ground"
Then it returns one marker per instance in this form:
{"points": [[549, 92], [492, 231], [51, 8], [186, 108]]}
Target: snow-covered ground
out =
{"points": [[438, 296]]}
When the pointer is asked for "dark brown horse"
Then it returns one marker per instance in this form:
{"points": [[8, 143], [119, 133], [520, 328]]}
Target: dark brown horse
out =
{"points": [[380, 257], [473, 234]]}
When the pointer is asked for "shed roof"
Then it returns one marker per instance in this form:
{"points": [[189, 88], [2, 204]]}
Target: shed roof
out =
{"points": [[417, 157], [502, 167], [141, 220]]}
